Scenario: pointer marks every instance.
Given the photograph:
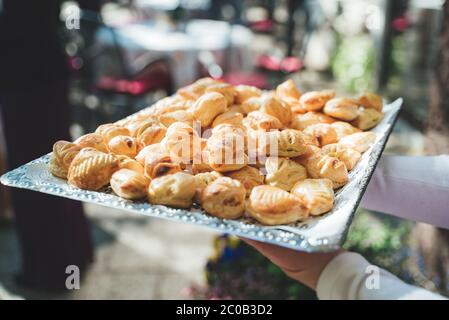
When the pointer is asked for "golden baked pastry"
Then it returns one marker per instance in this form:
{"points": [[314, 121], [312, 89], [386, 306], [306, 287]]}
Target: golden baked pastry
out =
{"points": [[278, 109], [317, 193], [92, 169], [224, 198], [196, 89], [244, 92], [258, 120], [371, 100], [273, 206], [225, 89], [248, 176], [302, 121], [290, 143], [92, 140], [343, 129], [150, 149], [229, 117], [323, 132], [315, 100], [283, 173], [123, 145], [287, 89], [202, 180], [349, 156], [341, 108], [62, 157], [185, 116], [129, 184], [160, 164], [310, 139], [130, 164], [182, 142], [360, 141], [110, 130], [207, 107], [325, 166], [151, 135], [251, 104], [137, 126], [236, 108], [175, 190], [367, 118]]}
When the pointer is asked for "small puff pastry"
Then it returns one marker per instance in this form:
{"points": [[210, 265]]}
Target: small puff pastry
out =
{"points": [[123, 145], [202, 180], [160, 164], [207, 107], [371, 100], [325, 166], [250, 177], [92, 169], [343, 129], [315, 100], [341, 108], [229, 117], [136, 127], [167, 119], [182, 142], [110, 130], [360, 141], [92, 140], [244, 92], [367, 118], [131, 164], [273, 206], [224, 198], [151, 135], [129, 184], [287, 89], [323, 132], [283, 173], [290, 143], [302, 121], [278, 109], [225, 89], [258, 120], [63, 154], [317, 193], [196, 89], [176, 190], [349, 156], [152, 148]]}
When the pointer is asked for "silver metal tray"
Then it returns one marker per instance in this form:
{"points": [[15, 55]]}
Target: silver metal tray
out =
{"points": [[324, 233]]}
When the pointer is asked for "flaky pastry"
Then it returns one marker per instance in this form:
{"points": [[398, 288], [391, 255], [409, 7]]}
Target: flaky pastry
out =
{"points": [[92, 140], [248, 176], [317, 193], [341, 108], [123, 145], [323, 132], [129, 184], [360, 141], [283, 173], [176, 190], [63, 154]]}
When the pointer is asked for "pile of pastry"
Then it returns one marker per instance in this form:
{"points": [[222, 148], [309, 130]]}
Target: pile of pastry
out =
{"points": [[276, 156]]}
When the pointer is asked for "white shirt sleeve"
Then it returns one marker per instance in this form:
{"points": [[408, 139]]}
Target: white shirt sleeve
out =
{"points": [[349, 276]]}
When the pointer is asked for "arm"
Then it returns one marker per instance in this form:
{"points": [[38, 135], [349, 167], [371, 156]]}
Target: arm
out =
{"points": [[414, 188], [339, 275]]}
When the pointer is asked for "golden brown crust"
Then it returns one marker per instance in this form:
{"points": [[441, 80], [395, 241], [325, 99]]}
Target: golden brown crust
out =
{"points": [[323, 132], [129, 184], [224, 198], [278, 109], [175, 190], [111, 130], [151, 135], [160, 164], [315, 100], [367, 118], [202, 180], [343, 129], [360, 141], [302, 121], [290, 143], [63, 154], [258, 120], [92, 140], [244, 92], [185, 116], [123, 145], [207, 107], [274, 206], [225, 89], [283, 173], [92, 169], [287, 89], [349, 156], [341, 108], [249, 177], [131, 164], [317, 193], [371, 100]]}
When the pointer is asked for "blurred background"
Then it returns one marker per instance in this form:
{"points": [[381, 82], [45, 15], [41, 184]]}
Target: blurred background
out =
{"points": [[75, 65]]}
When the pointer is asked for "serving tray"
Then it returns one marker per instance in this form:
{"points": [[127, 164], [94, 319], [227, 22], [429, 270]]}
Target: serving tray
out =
{"points": [[316, 234]]}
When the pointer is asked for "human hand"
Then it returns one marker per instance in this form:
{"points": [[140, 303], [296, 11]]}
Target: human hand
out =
{"points": [[301, 266]]}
